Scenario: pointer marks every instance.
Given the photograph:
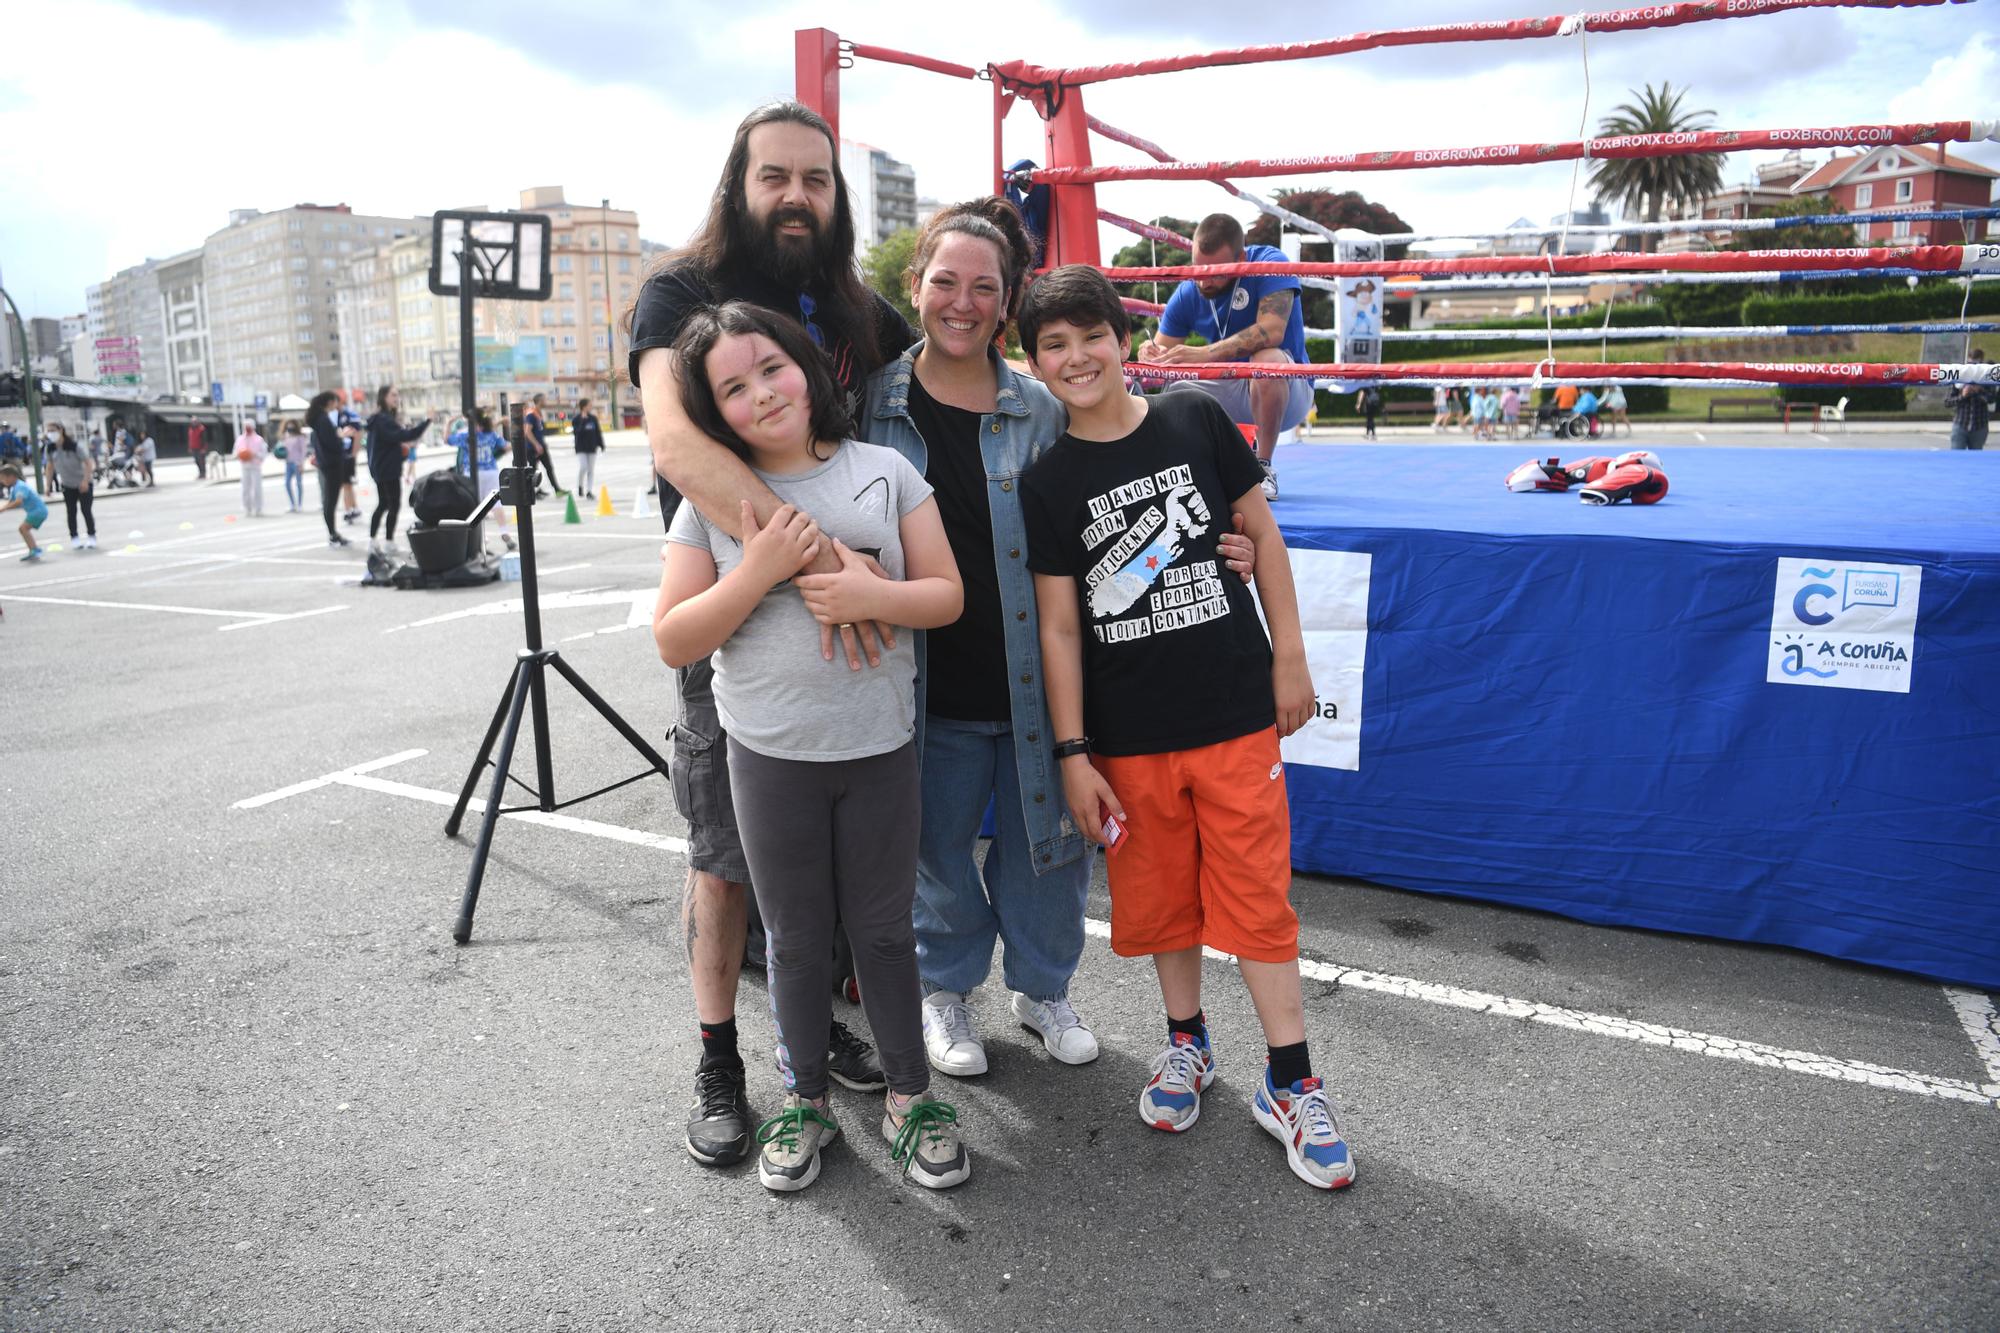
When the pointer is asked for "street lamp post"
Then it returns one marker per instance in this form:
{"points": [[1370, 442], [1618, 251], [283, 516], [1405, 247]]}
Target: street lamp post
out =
{"points": [[610, 330], [30, 393]]}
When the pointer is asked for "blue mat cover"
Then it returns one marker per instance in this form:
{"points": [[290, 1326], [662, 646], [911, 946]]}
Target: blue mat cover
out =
{"points": [[1566, 705]]}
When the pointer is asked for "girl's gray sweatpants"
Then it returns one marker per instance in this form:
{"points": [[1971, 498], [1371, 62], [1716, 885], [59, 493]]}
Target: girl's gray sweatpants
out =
{"points": [[827, 840]]}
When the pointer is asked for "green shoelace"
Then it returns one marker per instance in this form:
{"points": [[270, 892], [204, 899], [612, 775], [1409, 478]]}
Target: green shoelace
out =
{"points": [[922, 1123], [787, 1125]]}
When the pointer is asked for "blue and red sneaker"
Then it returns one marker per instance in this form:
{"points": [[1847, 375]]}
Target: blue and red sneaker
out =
{"points": [[1171, 1099], [1302, 1118]]}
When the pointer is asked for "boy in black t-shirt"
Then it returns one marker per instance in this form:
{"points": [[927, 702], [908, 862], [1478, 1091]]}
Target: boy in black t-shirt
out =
{"points": [[1150, 648]]}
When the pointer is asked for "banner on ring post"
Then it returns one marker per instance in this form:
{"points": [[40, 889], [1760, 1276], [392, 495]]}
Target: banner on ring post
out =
{"points": [[1357, 303]]}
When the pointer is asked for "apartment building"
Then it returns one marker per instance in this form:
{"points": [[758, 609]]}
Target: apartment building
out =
{"points": [[272, 284], [129, 332], [393, 330], [183, 297], [882, 191]]}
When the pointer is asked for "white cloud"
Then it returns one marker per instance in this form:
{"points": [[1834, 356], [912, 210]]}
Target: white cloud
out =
{"points": [[174, 121]]}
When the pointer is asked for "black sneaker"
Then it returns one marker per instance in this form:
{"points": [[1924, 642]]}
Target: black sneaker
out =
{"points": [[851, 1062], [719, 1119]]}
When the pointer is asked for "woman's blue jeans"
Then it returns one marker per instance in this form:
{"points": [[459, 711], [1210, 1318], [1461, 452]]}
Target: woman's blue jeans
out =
{"points": [[962, 909]]}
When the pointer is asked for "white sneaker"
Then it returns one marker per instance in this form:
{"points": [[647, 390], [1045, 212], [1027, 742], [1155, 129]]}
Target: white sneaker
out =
{"points": [[1061, 1031], [949, 1041], [1270, 483]]}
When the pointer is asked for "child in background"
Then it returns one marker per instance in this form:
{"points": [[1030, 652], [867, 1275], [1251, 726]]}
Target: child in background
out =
{"points": [[1168, 702], [20, 495], [822, 761]]}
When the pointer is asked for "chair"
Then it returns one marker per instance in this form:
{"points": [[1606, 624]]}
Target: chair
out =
{"points": [[1838, 412]]}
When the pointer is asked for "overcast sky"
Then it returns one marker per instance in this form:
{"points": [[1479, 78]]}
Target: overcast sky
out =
{"points": [[129, 131]]}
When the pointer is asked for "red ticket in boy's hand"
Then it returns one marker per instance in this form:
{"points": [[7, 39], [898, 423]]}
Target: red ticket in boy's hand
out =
{"points": [[1114, 833]]}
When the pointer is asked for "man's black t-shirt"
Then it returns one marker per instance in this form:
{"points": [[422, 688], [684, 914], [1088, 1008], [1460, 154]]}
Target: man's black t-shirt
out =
{"points": [[965, 661], [1174, 656], [670, 296], [677, 291]]}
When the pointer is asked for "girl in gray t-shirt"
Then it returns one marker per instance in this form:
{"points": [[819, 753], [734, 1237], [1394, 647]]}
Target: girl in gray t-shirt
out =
{"points": [[822, 759]]}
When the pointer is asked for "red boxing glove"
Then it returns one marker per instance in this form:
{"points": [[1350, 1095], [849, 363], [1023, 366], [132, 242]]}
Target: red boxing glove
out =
{"points": [[1646, 456], [1636, 482], [1538, 475], [1584, 471]]}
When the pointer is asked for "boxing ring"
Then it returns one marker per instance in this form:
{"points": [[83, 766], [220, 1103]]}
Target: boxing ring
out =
{"points": [[1761, 710]]}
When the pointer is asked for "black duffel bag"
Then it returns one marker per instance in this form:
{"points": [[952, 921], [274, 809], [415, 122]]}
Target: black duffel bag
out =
{"points": [[443, 494]]}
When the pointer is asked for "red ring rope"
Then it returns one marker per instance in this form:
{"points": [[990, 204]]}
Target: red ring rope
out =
{"points": [[1614, 20], [1627, 372], [1930, 258], [1679, 144]]}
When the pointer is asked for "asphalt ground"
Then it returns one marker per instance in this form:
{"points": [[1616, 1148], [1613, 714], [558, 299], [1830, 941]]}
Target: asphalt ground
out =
{"points": [[248, 1082]]}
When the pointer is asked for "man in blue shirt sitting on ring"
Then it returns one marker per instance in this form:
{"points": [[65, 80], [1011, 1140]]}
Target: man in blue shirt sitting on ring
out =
{"points": [[1254, 319]]}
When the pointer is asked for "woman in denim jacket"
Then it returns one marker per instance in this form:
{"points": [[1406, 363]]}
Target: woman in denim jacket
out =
{"points": [[954, 408]]}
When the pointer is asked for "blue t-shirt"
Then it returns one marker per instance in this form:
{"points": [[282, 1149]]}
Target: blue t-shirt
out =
{"points": [[32, 507], [1586, 403], [489, 449], [1188, 311]]}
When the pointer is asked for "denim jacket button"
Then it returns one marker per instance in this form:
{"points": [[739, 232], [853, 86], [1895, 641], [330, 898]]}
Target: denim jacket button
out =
{"points": [[1014, 554], [1046, 858], [1006, 485], [1020, 615], [1039, 798], [1028, 679], [1034, 736]]}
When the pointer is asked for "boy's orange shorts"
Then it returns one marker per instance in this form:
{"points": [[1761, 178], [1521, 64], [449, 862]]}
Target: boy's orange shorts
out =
{"points": [[1207, 857]]}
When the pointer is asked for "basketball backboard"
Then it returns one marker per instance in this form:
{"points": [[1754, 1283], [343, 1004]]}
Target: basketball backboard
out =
{"points": [[509, 254]]}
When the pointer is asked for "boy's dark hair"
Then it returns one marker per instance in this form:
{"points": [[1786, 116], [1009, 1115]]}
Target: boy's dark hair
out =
{"points": [[1218, 231], [1073, 294], [382, 397], [582, 403], [830, 418]]}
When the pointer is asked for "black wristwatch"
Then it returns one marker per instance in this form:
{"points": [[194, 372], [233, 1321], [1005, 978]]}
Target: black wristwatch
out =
{"points": [[1067, 749]]}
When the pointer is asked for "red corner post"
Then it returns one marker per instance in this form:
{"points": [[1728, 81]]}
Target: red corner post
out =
{"points": [[817, 54], [1074, 226]]}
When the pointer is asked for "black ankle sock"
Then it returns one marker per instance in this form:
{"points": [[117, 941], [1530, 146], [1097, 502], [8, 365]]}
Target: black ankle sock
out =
{"points": [[718, 1043], [1289, 1064], [1196, 1027]]}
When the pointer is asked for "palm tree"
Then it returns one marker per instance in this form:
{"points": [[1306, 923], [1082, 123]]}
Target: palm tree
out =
{"points": [[1649, 184]]}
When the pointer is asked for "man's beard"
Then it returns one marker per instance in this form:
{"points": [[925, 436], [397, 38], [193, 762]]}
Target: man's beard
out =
{"points": [[796, 261]]}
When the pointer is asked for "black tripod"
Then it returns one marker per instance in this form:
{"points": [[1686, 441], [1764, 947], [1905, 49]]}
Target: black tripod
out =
{"points": [[517, 489]]}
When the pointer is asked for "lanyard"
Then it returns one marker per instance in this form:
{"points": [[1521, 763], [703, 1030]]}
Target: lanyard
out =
{"points": [[1227, 304]]}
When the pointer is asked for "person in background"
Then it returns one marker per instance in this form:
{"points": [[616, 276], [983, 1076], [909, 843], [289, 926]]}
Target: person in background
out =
{"points": [[1971, 411], [348, 427], [73, 472], [488, 448], [13, 449], [291, 447], [1440, 406], [96, 447], [18, 494], [589, 437], [148, 454], [250, 452], [1586, 406], [1369, 404], [198, 449], [329, 458], [1565, 399], [389, 443], [1613, 408], [1510, 410], [537, 432]]}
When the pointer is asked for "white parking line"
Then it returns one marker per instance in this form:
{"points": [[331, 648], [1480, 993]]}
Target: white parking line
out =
{"points": [[244, 619], [310, 784], [1968, 1003], [1982, 1023], [272, 620]]}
